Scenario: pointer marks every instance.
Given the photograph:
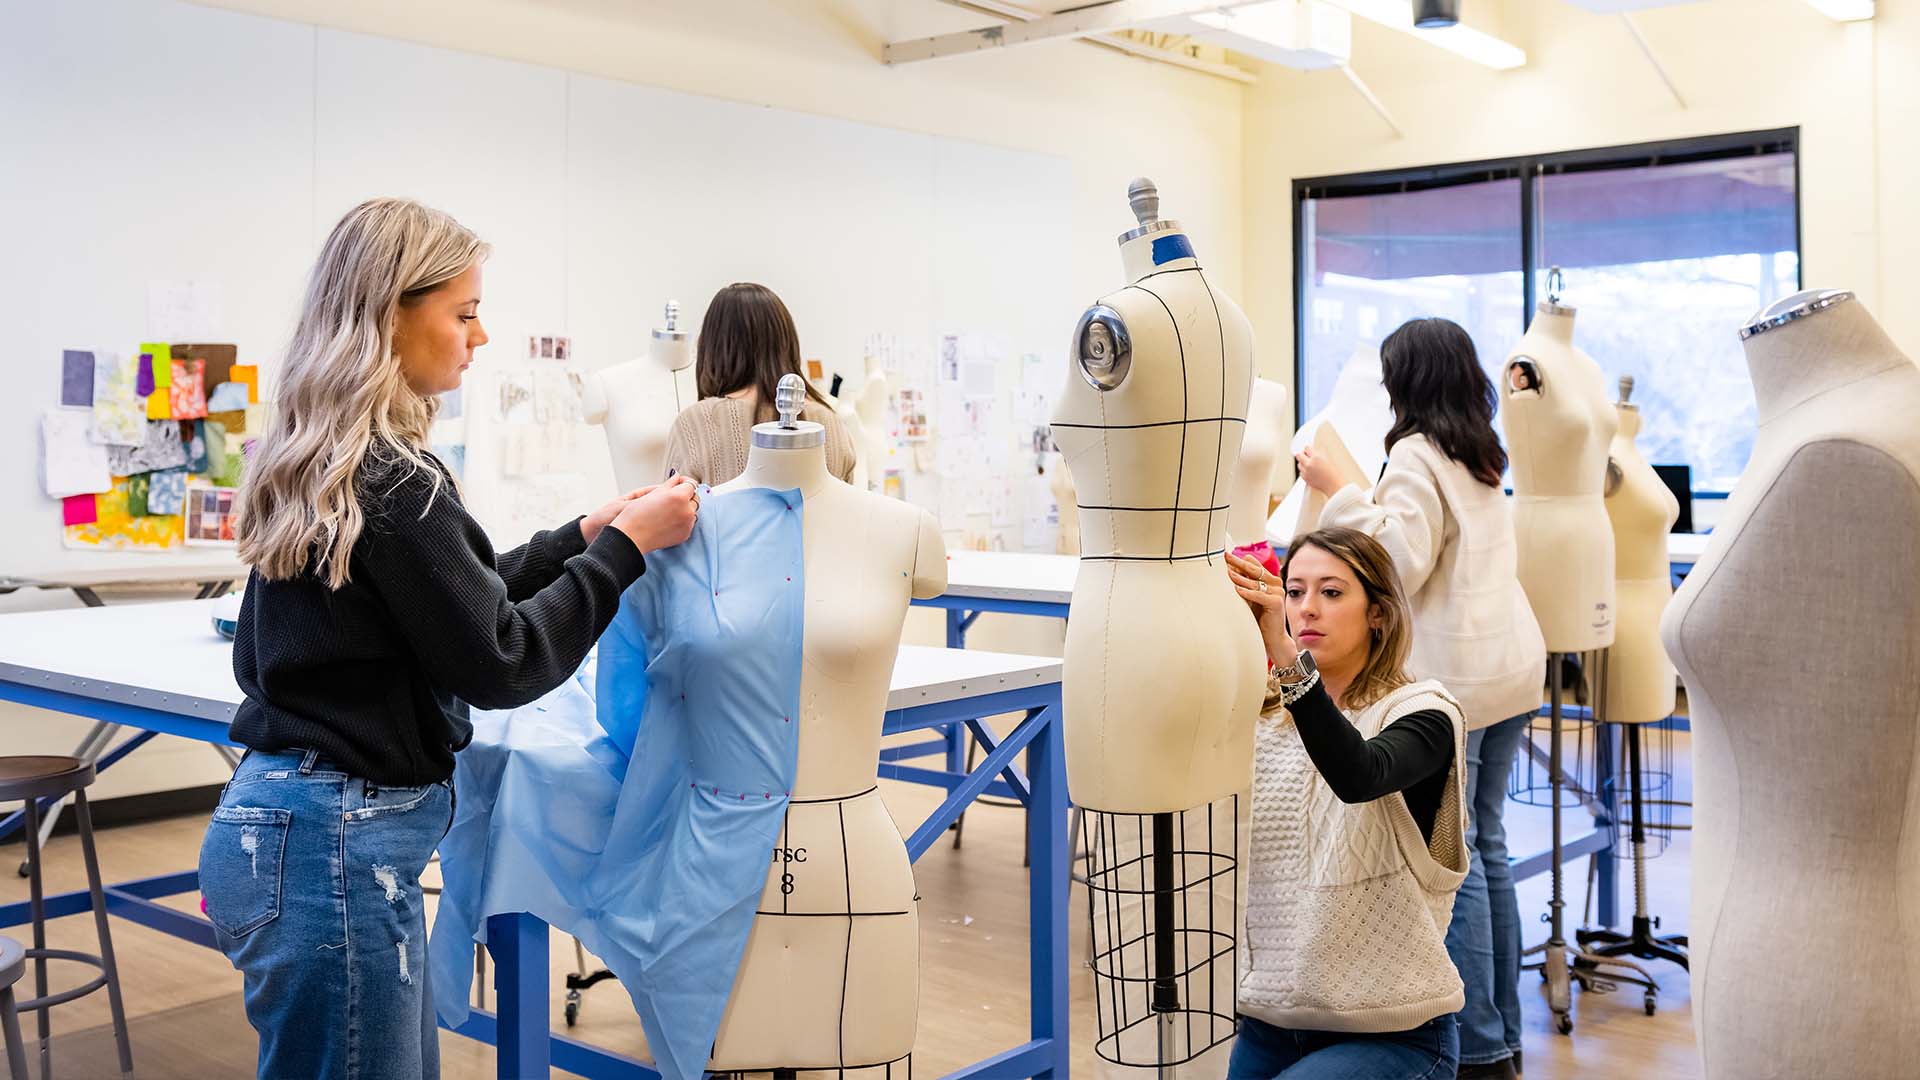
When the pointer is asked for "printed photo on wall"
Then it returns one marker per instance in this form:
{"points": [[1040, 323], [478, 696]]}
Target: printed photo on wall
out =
{"points": [[210, 516]]}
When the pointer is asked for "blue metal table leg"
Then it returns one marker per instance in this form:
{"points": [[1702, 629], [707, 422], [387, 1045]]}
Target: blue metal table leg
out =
{"points": [[1607, 883], [955, 734], [519, 947], [1047, 894]]}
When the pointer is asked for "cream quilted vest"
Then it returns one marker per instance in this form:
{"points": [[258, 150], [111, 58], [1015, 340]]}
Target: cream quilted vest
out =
{"points": [[1348, 906]]}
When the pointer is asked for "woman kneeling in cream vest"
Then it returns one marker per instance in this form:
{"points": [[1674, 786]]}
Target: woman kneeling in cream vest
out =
{"points": [[1358, 840]]}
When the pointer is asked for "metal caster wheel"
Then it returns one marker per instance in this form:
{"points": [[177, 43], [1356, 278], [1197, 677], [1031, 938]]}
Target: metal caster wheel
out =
{"points": [[572, 1010], [25, 870], [1649, 1004], [1563, 1022]]}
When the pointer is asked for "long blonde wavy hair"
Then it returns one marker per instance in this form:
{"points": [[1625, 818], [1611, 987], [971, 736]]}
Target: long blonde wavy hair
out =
{"points": [[342, 395]]}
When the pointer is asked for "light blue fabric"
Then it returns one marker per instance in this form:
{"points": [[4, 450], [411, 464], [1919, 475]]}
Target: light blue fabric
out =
{"points": [[635, 806]]}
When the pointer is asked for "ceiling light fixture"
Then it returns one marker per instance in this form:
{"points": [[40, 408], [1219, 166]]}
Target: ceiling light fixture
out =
{"points": [[1460, 39], [1844, 10], [1436, 14]]}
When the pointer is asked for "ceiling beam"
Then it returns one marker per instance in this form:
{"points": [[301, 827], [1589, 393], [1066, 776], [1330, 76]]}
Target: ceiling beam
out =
{"points": [[1079, 23], [1117, 42]]}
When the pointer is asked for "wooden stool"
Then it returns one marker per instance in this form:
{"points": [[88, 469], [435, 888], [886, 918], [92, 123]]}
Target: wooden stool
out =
{"points": [[13, 964], [32, 779]]}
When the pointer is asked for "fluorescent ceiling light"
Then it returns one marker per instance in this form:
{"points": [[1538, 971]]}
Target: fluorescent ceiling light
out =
{"points": [[1461, 39], [1844, 10]]}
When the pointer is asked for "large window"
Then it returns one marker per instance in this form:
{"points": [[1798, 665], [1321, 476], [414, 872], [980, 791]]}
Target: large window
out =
{"points": [[1665, 250]]}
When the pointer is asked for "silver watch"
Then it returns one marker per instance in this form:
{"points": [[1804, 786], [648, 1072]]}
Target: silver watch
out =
{"points": [[1301, 668]]}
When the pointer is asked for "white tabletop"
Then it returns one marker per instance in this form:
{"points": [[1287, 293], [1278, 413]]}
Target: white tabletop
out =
{"points": [[1685, 549], [198, 565], [1011, 575], [167, 656]]}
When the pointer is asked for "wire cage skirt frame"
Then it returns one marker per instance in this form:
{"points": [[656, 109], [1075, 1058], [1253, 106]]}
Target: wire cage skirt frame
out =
{"points": [[1163, 899]]}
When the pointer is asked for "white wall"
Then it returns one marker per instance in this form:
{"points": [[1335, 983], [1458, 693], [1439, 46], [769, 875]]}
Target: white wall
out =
{"points": [[583, 184]]}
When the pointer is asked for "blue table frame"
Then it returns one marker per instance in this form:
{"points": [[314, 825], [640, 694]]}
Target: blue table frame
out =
{"points": [[520, 1030], [962, 611]]}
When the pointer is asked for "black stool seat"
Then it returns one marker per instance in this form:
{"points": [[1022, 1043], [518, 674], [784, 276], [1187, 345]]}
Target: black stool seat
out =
{"points": [[42, 776], [13, 961]]}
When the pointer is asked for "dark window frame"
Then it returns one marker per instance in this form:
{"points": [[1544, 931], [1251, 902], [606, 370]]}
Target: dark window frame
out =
{"points": [[1527, 169]]}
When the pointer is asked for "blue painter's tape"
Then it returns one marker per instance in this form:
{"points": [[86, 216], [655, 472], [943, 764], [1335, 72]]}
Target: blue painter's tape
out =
{"points": [[1168, 248]]}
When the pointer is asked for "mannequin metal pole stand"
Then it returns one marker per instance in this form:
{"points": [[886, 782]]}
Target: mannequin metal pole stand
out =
{"points": [[1166, 991], [1553, 959], [1641, 942]]}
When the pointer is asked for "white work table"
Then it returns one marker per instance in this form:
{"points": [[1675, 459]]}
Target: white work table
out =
{"points": [[161, 668], [167, 657], [212, 569]]}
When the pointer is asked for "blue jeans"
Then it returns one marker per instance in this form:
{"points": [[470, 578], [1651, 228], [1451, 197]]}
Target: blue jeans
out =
{"points": [[312, 880], [1264, 1052], [1484, 937]]}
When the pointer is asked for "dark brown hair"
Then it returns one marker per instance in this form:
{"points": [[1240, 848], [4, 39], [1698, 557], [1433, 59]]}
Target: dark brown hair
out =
{"points": [[1438, 389], [1386, 667], [748, 339]]}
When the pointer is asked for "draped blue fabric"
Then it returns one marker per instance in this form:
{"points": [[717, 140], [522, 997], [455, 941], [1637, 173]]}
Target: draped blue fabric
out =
{"points": [[636, 806]]}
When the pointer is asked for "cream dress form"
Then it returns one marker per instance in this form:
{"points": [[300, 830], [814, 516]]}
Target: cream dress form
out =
{"points": [[636, 401], [1164, 672], [1558, 433], [870, 441], [1060, 484], [1798, 634], [813, 992], [1260, 451], [1640, 678]]}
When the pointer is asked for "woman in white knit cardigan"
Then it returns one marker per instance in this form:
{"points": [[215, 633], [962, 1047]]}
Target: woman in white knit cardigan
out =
{"points": [[1358, 841], [1439, 508]]}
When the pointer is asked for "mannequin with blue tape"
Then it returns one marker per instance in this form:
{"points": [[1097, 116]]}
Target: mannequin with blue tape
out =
{"points": [[830, 977]]}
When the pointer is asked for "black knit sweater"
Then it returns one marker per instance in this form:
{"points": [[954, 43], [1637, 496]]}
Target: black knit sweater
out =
{"points": [[378, 674], [1410, 755]]}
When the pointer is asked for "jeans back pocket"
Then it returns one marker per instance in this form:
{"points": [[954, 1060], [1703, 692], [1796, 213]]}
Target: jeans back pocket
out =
{"points": [[240, 866]]}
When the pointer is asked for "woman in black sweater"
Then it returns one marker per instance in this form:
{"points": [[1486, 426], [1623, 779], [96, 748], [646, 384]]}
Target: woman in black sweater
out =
{"points": [[375, 614]]}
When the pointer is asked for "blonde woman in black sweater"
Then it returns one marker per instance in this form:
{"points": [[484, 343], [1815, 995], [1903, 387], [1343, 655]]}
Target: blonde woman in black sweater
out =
{"points": [[375, 614]]}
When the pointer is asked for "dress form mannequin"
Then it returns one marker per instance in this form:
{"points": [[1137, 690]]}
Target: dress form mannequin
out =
{"points": [[1259, 459], [1163, 673], [1640, 678], [870, 441], [827, 992], [638, 400], [848, 410], [1300, 511], [1060, 483], [1796, 634], [1559, 425]]}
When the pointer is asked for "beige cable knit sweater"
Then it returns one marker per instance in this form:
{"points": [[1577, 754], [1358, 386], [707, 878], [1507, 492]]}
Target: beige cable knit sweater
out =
{"points": [[1347, 905], [710, 438]]}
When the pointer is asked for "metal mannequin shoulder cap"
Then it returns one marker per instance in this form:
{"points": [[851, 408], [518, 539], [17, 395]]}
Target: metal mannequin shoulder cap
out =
{"points": [[1102, 347]]}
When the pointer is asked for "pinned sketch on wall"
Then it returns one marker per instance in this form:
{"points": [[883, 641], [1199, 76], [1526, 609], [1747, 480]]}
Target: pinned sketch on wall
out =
{"points": [[558, 396], [71, 463], [516, 397], [910, 405], [185, 310]]}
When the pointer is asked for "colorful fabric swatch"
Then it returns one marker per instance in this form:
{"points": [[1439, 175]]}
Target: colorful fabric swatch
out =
{"points": [[79, 510], [76, 378], [160, 404], [188, 394], [218, 360], [249, 374], [119, 416], [114, 529], [138, 488], [143, 385], [162, 354], [234, 422], [197, 454], [227, 397], [160, 448], [168, 492]]}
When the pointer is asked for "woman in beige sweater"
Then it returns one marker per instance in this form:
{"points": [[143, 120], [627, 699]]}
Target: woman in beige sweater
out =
{"points": [[1440, 510], [746, 343], [1357, 840]]}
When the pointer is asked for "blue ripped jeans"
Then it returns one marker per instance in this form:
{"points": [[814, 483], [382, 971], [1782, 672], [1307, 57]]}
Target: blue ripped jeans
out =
{"points": [[312, 880], [1484, 937]]}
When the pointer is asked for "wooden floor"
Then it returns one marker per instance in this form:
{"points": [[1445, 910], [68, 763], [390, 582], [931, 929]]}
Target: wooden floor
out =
{"points": [[187, 1019]]}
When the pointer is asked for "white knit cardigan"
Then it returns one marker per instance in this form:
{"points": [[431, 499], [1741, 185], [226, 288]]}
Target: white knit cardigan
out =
{"points": [[1451, 538], [1347, 905]]}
